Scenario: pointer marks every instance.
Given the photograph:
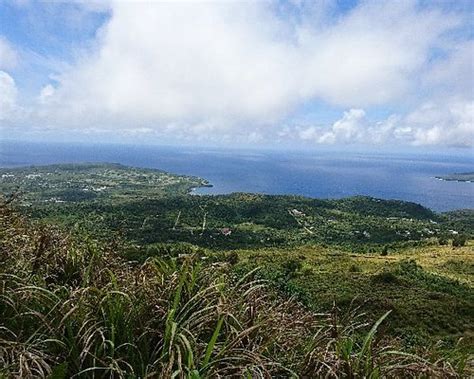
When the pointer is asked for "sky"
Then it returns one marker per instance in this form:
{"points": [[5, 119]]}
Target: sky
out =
{"points": [[290, 73]]}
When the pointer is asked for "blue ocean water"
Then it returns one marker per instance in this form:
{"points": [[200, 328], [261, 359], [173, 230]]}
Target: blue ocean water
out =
{"points": [[321, 174]]}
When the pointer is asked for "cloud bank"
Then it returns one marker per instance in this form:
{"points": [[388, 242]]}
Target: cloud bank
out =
{"points": [[431, 124], [223, 70]]}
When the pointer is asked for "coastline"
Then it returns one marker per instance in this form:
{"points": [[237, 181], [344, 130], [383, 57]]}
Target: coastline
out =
{"points": [[454, 180]]}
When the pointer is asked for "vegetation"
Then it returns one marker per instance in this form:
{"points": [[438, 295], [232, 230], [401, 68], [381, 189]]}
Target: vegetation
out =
{"points": [[150, 206], [427, 289], [70, 306], [56, 184], [144, 280]]}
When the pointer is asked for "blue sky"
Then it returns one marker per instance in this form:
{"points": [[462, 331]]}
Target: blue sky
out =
{"points": [[283, 73]]}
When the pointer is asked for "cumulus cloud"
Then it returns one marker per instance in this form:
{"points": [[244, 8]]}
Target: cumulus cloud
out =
{"points": [[46, 94], [8, 97], [351, 128], [443, 124], [448, 124], [229, 63], [374, 54]]}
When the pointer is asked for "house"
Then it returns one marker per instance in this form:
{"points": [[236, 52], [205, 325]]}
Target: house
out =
{"points": [[226, 231]]}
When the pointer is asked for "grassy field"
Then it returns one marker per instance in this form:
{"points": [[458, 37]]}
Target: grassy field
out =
{"points": [[429, 289]]}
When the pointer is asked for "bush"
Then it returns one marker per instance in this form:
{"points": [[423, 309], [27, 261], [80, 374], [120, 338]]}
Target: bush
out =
{"points": [[385, 277], [291, 267], [459, 240], [409, 266], [442, 241], [355, 268], [232, 258]]}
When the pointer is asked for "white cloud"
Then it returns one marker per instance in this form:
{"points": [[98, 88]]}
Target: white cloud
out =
{"points": [[351, 128], [186, 62], [238, 63], [46, 94], [8, 97], [8, 55], [348, 128], [454, 74], [306, 134], [451, 123], [231, 71], [373, 55], [448, 124]]}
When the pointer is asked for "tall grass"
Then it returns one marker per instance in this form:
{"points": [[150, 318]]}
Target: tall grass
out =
{"points": [[72, 307]]}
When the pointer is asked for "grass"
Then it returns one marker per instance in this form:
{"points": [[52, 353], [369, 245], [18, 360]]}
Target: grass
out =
{"points": [[428, 289], [73, 306]]}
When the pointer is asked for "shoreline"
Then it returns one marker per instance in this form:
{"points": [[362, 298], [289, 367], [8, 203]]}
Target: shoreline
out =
{"points": [[454, 180]]}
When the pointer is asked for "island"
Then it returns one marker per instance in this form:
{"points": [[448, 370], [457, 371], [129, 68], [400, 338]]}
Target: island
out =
{"points": [[458, 177]]}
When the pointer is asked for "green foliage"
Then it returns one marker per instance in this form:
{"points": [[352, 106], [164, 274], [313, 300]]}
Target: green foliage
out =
{"points": [[108, 318], [72, 183], [426, 306], [151, 206], [458, 177], [253, 221], [74, 307], [442, 241], [459, 240], [291, 267], [164, 250], [386, 277]]}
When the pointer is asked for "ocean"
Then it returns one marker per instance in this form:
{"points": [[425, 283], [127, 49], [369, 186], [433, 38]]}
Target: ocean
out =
{"points": [[321, 173]]}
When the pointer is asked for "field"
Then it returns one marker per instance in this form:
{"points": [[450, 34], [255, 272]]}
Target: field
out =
{"points": [[428, 289], [288, 286]]}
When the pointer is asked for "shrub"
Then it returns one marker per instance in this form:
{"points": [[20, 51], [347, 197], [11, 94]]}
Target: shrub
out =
{"points": [[291, 267], [385, 277], [232, 258], [459, 240], [442, 241], [409, 266], [354, 268]]}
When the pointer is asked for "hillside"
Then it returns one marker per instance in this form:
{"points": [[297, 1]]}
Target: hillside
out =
{"points": [[72, 305]]}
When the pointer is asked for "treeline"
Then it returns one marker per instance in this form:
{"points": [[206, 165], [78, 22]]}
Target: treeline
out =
{"points": [[248, 221]]}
